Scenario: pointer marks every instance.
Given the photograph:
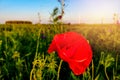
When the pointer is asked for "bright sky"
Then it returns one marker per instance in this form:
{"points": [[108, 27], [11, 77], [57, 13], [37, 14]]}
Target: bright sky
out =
{"points": [[76, 11]]}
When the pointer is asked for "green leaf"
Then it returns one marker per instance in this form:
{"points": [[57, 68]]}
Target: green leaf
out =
{"points": [[55, 12], [97, 77]]}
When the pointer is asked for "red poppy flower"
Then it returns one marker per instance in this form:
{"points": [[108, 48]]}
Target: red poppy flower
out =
{"points": [[74, 49]]}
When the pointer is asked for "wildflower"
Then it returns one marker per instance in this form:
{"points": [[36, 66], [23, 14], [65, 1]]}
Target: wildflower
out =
{"points": [[74, 49]]}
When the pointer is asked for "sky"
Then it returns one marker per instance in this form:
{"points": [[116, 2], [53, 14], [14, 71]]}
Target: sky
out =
{"points": [[76, 11]]}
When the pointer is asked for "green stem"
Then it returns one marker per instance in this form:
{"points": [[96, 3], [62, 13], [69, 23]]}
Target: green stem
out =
{"points": [[106, 74], [92, 70], [37, 44], [58, 74], [116, 62], [113, 74], [6, 38]]}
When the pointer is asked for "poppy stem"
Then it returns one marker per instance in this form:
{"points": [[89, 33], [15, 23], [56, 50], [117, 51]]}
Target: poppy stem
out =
{"points": [[37, 46], [59, 67]]}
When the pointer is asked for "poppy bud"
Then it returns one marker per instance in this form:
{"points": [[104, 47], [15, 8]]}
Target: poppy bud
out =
{"points": [[60, 17]]}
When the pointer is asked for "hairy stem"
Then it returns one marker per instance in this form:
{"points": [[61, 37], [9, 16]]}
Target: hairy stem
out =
{"points": [[92, 70], [58, 74]]}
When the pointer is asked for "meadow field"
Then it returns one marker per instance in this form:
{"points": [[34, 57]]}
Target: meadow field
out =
{"points": [[23, 52]]}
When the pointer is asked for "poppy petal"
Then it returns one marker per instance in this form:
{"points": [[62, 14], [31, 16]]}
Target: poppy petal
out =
{"points": [[74, 49]]}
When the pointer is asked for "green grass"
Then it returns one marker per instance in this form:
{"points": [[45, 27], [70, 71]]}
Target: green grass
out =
{"points": [[23, 52]]}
